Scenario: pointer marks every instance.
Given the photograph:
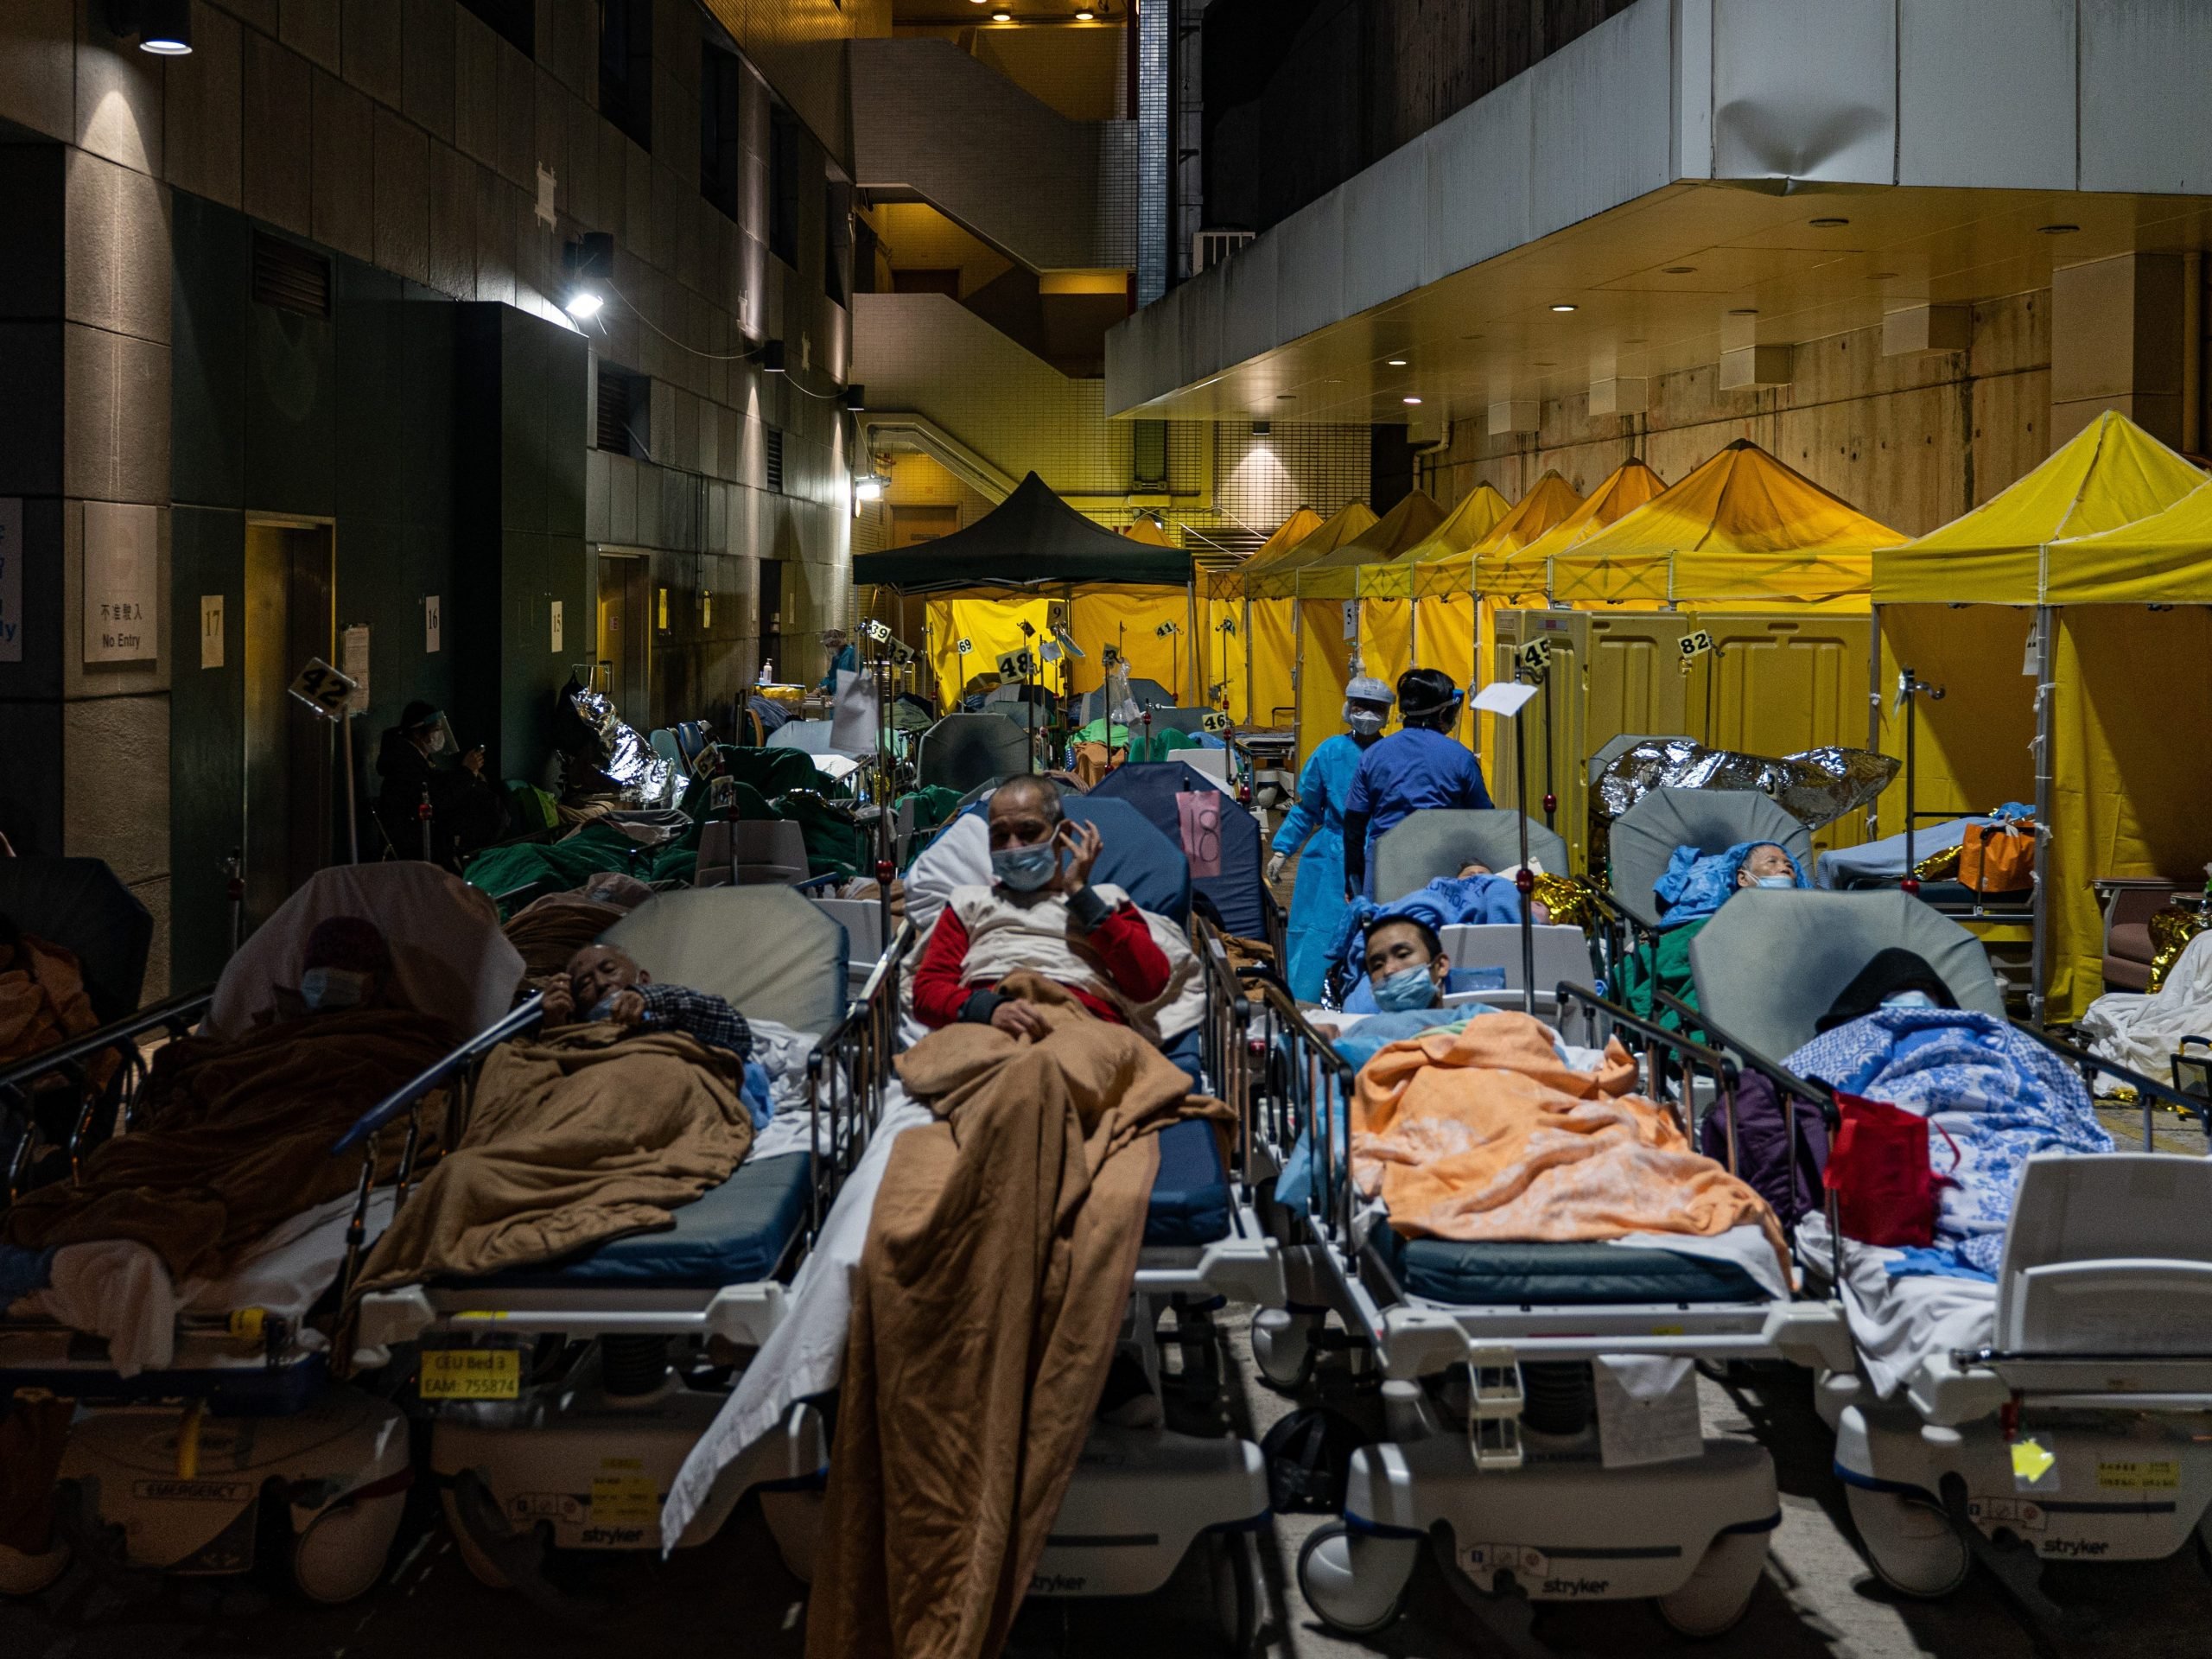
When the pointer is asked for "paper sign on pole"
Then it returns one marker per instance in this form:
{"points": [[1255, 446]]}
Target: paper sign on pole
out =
{"points": [[1505, 697], [355, 657], [120, 572], [323, 688], [12, 580], [430, 625], [1351, 620], [211, 630]]}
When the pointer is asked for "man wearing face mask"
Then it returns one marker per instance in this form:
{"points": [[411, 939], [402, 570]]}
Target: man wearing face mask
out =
{"points": [[465, 812], [344, 965], [1766, 866], [1313, 832], [605, 983], [1406, 968], [1039, 915]]}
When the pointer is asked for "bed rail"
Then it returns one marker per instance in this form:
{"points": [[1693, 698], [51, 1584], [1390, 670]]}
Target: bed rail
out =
{"points": [[2150, 1092], [66, 1071], [847, 1076], [1293, 1082]]}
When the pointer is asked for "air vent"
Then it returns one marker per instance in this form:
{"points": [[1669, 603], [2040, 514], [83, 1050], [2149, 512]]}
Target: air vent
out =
{"points": [[614, 411], [775, 459], [290, 277]]}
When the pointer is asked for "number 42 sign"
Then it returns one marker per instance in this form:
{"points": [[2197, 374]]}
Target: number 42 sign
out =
{"points": [[323, 688]]}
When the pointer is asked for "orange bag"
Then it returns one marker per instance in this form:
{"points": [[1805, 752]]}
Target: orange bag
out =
{"points": [[1999, 858]]}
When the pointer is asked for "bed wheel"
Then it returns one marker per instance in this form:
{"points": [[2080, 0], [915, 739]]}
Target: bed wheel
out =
{"points": [[341, 1553], [1283, 1347], [1912, 1546], [1720, 1590], [23, 1574], [1355, 1582], [478, 1563], [1235, 1579]]}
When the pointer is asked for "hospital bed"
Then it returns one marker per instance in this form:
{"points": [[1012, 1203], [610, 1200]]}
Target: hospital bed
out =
{"points": [[2056, 1414], [564, 1396], [1511, 1455], [169, 1468]]}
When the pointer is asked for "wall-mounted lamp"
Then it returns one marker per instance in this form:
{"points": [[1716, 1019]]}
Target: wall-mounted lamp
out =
{"points": [[870, 486], [163, 27], [771, 357], [589, 263]]}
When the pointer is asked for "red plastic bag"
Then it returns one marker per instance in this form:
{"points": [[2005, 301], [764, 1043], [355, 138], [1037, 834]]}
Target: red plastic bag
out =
{"points": [[1886, 1185]]}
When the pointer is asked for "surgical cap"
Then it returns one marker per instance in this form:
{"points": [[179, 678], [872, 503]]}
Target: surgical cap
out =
{"points": [[1368, 690]]}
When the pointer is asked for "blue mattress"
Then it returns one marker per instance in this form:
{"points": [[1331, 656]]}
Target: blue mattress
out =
{"points": [[736, 1234], [1190, 1196], [1559, 1276]]}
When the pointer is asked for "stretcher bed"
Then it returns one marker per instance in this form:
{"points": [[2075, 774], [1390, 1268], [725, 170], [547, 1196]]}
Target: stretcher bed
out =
{"points": [[214, 1393], [541, 1381], [2056, 1413], [1500, 1361]]}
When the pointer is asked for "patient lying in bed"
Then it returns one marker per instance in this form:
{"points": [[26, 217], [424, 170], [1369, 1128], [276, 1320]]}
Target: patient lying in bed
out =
{"points": [[1689, 894], [627, 1104]]}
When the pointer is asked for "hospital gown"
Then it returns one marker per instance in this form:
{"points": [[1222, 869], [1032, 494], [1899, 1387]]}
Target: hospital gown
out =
{"points": [[1317, 825]]}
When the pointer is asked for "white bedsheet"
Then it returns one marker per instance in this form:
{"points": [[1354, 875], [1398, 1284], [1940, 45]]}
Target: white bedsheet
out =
{"points": [[1897, 1322], [805, 1354], [2142, 1030]]}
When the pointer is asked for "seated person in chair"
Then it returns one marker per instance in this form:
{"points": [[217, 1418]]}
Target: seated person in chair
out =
{"points": [[1041, 914]]}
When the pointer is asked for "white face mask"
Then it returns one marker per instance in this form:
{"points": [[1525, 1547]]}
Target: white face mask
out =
{"points": [[437, 742], [327, 989], [1777, 880], [1362, 723], [1908, 1000]]}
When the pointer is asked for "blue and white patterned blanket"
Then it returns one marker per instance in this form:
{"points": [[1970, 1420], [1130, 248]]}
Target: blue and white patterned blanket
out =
{"points": [[2001, 1095]]}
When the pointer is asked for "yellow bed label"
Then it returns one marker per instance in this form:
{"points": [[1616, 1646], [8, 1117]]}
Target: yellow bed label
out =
{"points": [[624, 1500], [2147, 1474], [471, 1374]]}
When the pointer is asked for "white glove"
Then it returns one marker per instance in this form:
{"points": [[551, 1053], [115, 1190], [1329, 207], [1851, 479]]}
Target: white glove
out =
{"points": [[1274, 866]]}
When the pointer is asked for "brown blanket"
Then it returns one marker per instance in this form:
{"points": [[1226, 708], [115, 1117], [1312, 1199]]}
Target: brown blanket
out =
{"points": [[997, 1271], [43, 999], [233, 1137], [554, 929], [581, 1136]]}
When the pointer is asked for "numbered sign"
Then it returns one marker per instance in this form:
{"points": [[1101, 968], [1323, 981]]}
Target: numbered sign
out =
{"points": [[878, 632], [1165, 631], [1214, 720], [1227, 625], [1536, 656], [963, 646], [323, 688], [431, 619], [1694, 645], [1015, 665]]}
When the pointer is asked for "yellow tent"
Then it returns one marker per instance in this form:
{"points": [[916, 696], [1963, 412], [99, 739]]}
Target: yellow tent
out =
{"points": [[1743, 531], [1271, 622], [1333, 627], [2111, 521], [1517, 574], [1229, 583]]}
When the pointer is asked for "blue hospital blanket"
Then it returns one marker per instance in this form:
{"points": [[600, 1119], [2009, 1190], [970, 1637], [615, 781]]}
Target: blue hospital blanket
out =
{"points": [[2001, 1095], [1445, 902], [1696, 885]]}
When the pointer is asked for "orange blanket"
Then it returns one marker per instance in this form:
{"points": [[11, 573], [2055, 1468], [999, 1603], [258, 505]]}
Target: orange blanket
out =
{"points": [[1484, 1134]]}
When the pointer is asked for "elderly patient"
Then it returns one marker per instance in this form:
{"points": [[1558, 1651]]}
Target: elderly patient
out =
{"points": [[605, 983], [1040, 913]]}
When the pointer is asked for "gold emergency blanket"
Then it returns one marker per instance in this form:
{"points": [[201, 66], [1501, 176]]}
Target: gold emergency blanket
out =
{"points": [[581, 1136], [1815, 787], [997, 1271], [232, 1137], [2172, 929], [1484, 1134]]}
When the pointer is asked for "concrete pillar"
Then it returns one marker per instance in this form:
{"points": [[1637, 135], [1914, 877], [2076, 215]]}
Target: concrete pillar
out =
{"points": [[2123, 335], [85, 448]]}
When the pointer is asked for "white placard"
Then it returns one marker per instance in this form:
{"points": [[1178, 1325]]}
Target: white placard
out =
{"points": [[1647, 1410], [1503, 697], [211, 630], [1351, 620], [354, 659], [556, 625], [430, 625], [323, 688], [120, 573], [12, 580]]}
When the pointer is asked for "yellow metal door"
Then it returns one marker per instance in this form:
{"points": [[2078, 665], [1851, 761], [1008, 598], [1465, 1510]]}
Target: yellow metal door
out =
{"points": [[1781, 685]]}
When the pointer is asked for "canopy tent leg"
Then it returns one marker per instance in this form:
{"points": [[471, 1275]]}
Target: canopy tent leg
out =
{"points": [[1874, 708], [1197, 685], [2039, 931], [1251, 707]]}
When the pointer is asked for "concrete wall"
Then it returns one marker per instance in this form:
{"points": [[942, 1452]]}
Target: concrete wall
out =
{"points": [[1914, 441]]}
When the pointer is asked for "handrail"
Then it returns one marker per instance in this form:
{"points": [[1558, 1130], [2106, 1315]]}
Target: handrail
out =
{"points": [[76, 1048], [410, 1093]]}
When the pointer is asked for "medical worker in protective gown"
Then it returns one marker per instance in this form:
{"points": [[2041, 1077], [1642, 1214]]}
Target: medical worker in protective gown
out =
{"points": [[1316, 824]]}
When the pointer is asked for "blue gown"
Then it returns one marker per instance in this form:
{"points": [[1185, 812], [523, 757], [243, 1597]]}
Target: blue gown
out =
{"points": [[1316, 824]]}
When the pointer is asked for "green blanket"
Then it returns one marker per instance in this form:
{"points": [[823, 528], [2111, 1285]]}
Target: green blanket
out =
{"points": [[1667, 964]]}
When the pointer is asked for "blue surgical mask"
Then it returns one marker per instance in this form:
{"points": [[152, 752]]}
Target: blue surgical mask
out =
{"points": [[1403, 991], [1026, 869], [328, 989], [1908, 1000], [1777, 880]]}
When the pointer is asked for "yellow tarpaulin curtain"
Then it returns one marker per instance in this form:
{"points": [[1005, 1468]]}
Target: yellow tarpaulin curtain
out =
{"points": [[1325, 668], [2112, 475], [1128, 617], [1973, 746], [2133, 714], [991, 625], [1272, 640], [1221, 656], [1444, 638], [1385, 642], [2165, 559]]}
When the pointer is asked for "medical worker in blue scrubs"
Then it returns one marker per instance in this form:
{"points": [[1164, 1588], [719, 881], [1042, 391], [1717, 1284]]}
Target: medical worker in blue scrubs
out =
{"points": [[1419, 767], [1316, 824]]}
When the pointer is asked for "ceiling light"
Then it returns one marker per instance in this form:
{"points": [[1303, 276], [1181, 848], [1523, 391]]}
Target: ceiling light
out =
{"points": [[1085, 15], [2056, 229], [1829, 224], [1563, 306], [1884, 276], [1412, 400], [1679, 270], [1286, 397], [1744, 311], [1002, 16], [1397, 363]]}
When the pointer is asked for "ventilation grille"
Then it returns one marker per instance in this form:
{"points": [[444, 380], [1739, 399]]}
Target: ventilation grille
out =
{"points": [[290, 277], [775, 459], [614, 411]]}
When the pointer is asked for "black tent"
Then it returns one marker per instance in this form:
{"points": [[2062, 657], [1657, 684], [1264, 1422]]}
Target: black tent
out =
{"points": [[1031, 539]]}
